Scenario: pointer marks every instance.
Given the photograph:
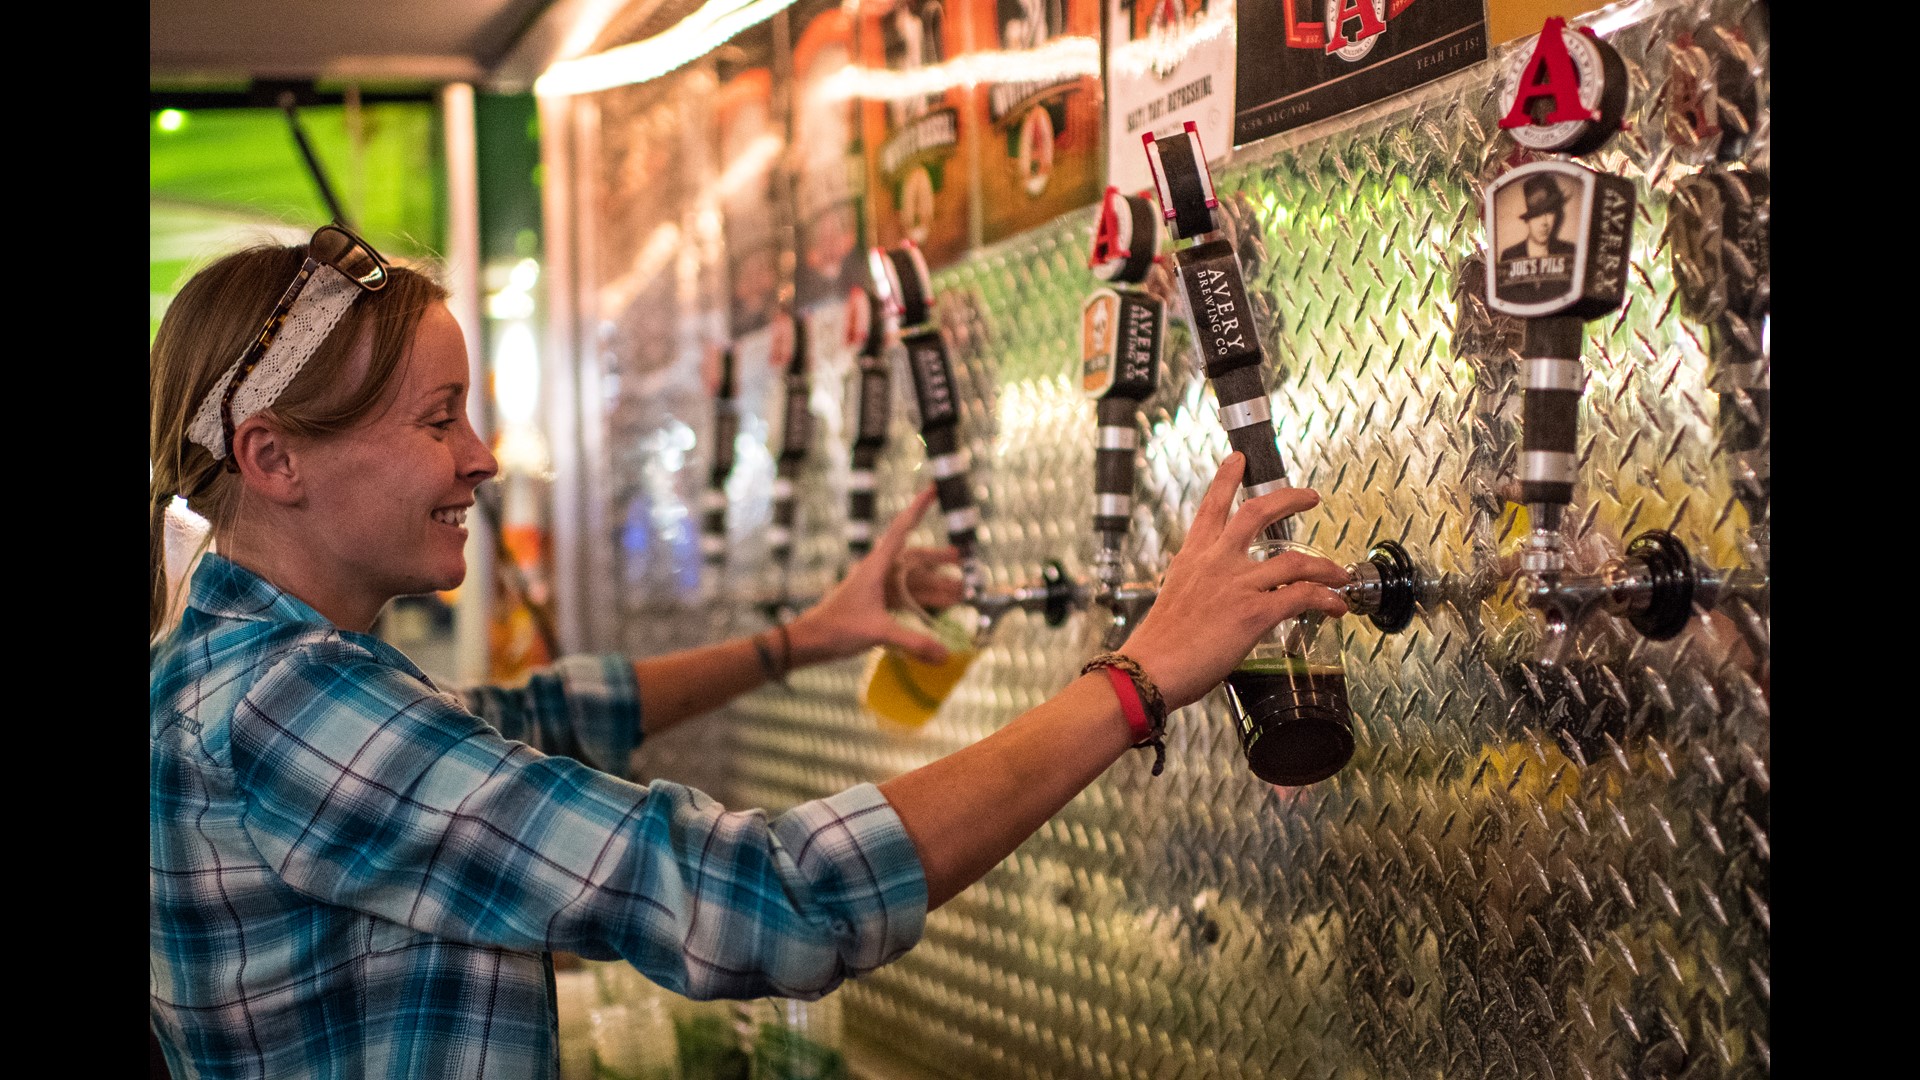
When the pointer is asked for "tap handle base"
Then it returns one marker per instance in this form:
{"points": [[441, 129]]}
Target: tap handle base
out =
{"points": [[1059, 599], [1671, 571], [1399, 586]]}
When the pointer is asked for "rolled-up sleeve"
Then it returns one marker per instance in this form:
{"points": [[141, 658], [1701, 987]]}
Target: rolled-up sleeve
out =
{"points": [[583, 707], [369, 790]]}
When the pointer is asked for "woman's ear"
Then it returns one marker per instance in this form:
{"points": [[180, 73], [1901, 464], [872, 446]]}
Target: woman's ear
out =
{"points": [[267, 465]]}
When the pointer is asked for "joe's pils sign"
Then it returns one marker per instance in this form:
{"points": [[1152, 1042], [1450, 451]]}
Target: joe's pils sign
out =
{"points": [[1305, 60]]}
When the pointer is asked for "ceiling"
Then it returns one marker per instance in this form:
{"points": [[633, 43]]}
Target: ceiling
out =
{"points": [[397, 44]]}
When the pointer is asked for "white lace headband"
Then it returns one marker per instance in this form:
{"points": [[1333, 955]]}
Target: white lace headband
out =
{"points": [[326, 297]]}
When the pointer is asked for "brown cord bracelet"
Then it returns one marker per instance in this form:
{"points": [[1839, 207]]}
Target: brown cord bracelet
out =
{"points": [[1151, 702]]}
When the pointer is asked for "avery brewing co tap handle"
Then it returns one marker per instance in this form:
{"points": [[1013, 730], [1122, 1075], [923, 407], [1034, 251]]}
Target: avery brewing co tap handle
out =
{"points": [[1120, 369], [906, 290], [796, 436], [867, 332], [1219, 312], [1558, 256], [1120, 334], [713, 501]]}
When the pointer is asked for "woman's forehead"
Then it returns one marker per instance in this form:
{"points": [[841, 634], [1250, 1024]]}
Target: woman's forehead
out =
{"points": [[437, 356]]}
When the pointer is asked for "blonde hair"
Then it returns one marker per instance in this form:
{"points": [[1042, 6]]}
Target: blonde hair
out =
{"points": [[212, 318]]}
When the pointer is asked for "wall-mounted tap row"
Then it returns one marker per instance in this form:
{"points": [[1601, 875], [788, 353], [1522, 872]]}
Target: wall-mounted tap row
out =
{"points": [[1560, 235]]}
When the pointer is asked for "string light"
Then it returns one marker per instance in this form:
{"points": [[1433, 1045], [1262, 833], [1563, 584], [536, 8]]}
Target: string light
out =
{"points": [[1061, 58], [1163, 49], [695, 36]]}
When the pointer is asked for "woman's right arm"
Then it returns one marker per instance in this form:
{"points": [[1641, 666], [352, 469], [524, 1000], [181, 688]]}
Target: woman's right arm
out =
{"points": [[970, 809]]}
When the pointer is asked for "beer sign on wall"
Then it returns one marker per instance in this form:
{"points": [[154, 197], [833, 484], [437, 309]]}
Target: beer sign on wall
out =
{"points": [[1040, 150], [829, 167], [1300, 61], [917, 125], [1168, 61], [750, 145]]}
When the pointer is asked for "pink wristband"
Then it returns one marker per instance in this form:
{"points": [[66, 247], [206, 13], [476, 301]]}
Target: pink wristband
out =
{"points": [[1130, 704]]}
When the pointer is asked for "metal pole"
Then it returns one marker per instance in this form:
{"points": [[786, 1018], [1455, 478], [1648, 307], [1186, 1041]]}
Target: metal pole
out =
{"points": [[313, 163], [474, 611]]}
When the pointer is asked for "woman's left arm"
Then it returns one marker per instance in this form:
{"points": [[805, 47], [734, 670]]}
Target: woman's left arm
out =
{"points": [[850, 619]]}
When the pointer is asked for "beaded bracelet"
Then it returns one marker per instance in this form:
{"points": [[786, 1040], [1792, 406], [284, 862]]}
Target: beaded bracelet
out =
{"points": [[1146, 710]]}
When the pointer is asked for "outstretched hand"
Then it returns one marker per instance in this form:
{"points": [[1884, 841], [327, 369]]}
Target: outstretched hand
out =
{"points": [[855, 615], [1216, 602]]}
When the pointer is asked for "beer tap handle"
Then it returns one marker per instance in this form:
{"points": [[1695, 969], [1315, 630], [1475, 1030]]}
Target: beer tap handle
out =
{"points": [[867, 330], [796, 436], [1230, 350], [904, 285], [1560, 234], [1126, 239], [1118, 441], [947, 456], [1218, 310], [1552, 380], [1120, 368], [1179, 165], [1717, 234], [713, 500]]}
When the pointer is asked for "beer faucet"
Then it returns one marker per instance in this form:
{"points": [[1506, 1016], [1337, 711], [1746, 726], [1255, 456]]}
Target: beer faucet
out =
{"points": [[1654, 585]]}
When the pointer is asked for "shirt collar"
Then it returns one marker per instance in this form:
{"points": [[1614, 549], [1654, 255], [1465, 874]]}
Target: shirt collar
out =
{"points": [[225, 589]]}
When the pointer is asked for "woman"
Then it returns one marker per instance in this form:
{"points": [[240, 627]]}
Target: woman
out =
{"points": [[356, 873]]}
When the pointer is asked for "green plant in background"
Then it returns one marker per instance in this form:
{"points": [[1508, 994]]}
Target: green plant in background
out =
{"points": [[783, 1053], [709, 1047]]}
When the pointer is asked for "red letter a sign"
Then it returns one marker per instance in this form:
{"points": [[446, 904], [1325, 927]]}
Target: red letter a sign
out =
{"points": [[1549, 74]]}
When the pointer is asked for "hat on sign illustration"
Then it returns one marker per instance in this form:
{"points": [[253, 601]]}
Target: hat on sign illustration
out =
{"points": [[1543, 196]]}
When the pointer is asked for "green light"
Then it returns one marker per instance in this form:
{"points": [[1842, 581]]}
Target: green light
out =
{"points": [[172, 120]]}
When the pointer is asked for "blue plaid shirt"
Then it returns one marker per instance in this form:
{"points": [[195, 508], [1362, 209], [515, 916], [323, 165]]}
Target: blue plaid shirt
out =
{"points": [[358, 874]]}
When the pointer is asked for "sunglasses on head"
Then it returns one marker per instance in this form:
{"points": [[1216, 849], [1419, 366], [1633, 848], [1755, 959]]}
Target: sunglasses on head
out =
{"points": [[332, 245]]}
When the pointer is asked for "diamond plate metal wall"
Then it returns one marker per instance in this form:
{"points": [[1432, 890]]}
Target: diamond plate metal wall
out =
{"points": [[1527, 870]]}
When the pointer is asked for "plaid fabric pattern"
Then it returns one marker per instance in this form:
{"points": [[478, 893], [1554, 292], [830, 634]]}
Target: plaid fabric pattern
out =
{"points": [[358, 874]]}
